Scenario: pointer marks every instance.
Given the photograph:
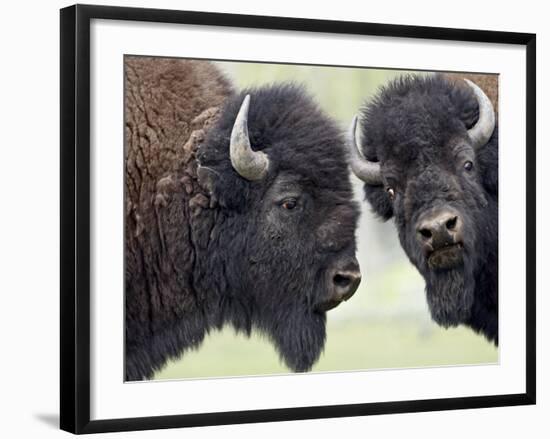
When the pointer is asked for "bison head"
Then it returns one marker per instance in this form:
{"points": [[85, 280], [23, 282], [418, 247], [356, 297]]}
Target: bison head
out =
{"points": [[284, 247], [427, 152]]}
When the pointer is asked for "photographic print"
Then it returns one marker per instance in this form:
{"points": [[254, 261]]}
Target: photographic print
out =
{"points": [[297, 218], [304, 218]]}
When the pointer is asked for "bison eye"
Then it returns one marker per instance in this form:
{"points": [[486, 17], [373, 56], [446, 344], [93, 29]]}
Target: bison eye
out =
{"points": [[468, 165], [289, 204], [391, 193]]}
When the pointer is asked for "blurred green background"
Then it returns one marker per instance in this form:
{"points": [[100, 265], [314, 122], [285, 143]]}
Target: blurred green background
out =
{"points": [[386, 324]]}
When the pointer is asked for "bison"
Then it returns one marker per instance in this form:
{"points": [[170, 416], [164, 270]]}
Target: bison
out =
{"points": [[239, 211], [427, 151]]}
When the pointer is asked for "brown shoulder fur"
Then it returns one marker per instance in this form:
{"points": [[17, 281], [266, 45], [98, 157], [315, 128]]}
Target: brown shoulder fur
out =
{"points": [[169, 103]]}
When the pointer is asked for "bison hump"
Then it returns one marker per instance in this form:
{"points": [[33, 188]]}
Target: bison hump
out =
{"points": [[164, 101]]}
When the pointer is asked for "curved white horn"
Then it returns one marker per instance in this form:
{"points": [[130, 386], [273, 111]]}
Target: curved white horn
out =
{"points": [[364, 169], [252, 165], [482, 131]]}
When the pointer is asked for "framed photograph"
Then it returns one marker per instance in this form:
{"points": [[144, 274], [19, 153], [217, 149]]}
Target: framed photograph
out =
{"points": [[268, 218]]}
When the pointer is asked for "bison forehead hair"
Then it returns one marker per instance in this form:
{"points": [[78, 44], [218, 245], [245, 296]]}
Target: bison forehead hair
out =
{"points": [[416, 128], [298, 137], [413, 111]]}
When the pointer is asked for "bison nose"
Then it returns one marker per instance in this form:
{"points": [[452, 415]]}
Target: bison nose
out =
{"points": [[439, 228], [345, 281]]}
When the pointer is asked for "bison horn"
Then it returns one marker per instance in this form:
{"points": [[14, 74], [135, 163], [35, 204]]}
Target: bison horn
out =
{"points": [[250, 164], [364, 169], [482, 131]]}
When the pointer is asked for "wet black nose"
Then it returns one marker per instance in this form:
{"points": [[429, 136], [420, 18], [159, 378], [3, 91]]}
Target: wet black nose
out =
{"points": [[439, 228], [345, 281]]}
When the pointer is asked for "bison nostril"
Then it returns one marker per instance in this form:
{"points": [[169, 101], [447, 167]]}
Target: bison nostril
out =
{"points": [[341, 280], [345, 284], [426, 233], [451, 223]]}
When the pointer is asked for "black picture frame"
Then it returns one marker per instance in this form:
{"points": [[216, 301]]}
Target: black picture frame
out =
{"points": [[75, 217]]}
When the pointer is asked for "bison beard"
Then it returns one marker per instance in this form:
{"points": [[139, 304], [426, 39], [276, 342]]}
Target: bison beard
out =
{"points": [[450, 294], [207, 247], [299, 337]]}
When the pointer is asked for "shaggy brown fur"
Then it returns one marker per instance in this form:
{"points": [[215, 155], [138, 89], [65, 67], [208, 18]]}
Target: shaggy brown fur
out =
{"points": [[169, 104]]}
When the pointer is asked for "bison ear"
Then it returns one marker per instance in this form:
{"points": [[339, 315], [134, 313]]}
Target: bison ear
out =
{"points": [[380, 202]]}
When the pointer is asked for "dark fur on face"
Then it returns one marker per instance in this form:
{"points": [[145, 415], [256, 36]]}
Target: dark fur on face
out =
{"points": [[276, 259], [416, 127], [204, 246]]}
